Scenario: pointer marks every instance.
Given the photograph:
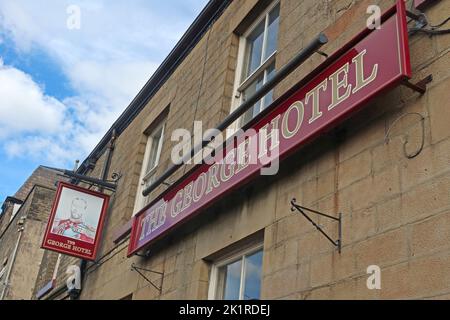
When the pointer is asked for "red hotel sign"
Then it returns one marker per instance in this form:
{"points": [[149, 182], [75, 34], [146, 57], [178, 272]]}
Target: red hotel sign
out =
{"points": [[371, 63], [76, 221]]}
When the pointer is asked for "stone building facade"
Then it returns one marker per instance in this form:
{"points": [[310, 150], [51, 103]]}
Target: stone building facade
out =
{"points": [[23, 222], [395, 208]]}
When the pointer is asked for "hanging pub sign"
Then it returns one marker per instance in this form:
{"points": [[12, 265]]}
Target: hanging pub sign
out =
{"points": [[76, 221], [373, 62]]}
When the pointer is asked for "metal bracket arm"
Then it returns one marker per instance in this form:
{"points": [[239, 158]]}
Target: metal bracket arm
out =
{"points": [[90, 180], [138, 270], [337, 243], [420, 17], [421, 86]]}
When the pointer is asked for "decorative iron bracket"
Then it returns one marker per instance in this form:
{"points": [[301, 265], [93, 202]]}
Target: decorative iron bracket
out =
{"points": [[110, 185], [337, 243], [420, 18], [421, 86], [405, 142], [139, 271]]}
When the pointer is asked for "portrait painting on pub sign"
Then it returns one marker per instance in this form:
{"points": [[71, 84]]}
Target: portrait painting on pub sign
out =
{"points": [[76, 221]]}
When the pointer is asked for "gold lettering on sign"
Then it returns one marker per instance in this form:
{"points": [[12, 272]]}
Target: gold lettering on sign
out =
{"points": [[213, 181], [299, 108], [273, 136], [243, 154], [229, 162], [187, 199], [155, 219], [359, 65], [267, 139], [337, 83], [177, 205], [201, 180], [315, 94]]}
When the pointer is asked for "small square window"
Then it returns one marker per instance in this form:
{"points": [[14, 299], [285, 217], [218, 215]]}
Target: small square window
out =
{"points": [[238, 278]]}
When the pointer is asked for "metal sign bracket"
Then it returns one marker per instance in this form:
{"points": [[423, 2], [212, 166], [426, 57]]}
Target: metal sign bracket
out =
{"points": [[139, 271], [421, 86], [110, 185], [337, 243]]}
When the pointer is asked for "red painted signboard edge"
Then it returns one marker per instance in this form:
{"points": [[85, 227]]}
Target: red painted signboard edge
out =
{"points": [[105, 197], [399, 9]]}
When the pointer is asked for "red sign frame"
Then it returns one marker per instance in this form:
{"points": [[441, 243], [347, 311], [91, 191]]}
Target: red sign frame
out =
{"points": [[387, 52], [68, 245]]}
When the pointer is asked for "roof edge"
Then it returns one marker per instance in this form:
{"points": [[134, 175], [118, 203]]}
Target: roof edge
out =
{"points": [[210, 13]]}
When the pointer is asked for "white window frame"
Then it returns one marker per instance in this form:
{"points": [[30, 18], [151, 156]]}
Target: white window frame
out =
{"points": [[240, 84], [2, 272], [145, 172], [3, 267], [214, 278], [16, 208]]}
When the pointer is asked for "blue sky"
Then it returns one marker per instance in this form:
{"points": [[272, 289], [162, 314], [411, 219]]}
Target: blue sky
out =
{"points": [[62, 88]]}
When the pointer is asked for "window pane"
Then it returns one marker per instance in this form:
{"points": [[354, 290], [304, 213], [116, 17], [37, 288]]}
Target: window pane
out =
{"points": [[272, 32], [271, 71], [252, 112], [153, 156], [254, 49], [232, 280], [253, 276], [2, 272], [268, 99], [147, 181]]}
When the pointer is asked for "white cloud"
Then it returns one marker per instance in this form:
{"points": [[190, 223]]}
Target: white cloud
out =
{"points": [[37, 126], [38, 147], [110, 83], [107, 62], [24, 107], [118, 42]]}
